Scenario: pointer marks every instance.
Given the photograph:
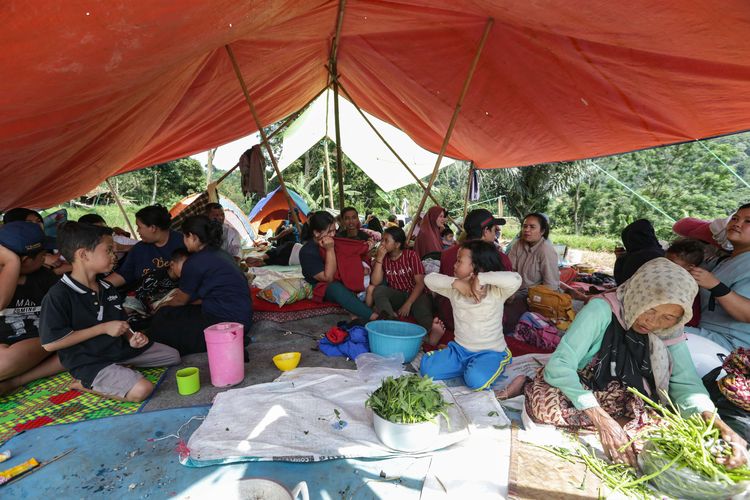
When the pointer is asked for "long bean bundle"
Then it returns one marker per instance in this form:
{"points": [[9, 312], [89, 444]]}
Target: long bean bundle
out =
{"points": [[693, 445], [617, 478]]}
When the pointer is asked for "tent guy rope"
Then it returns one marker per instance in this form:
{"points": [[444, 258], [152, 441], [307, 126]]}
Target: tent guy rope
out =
{"points": [[644, 200], [734, 172]]}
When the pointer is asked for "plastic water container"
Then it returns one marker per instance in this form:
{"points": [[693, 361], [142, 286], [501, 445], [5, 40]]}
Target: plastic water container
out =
{"points": [[226, 353], [389, 337]]}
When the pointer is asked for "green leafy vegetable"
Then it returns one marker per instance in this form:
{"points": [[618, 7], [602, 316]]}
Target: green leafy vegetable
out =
{"points": [[408, 399]]}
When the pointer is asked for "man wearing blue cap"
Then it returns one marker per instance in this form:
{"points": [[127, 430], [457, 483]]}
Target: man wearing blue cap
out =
{"points": [[24, 281]]}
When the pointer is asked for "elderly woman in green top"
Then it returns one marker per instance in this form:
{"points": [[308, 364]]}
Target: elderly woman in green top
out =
{"points": [[632, 337]]}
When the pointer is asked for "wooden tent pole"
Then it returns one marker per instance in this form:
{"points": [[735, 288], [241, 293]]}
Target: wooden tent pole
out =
{"points": [[122, 209], [326, 155], [468, 189], [454, 118], [281, 127], [328, 172], [226, 174], [390, 148], [334, 76], [263, 136]]}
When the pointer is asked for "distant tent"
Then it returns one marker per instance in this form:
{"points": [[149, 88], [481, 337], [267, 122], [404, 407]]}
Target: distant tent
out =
{"points": [[232, 214], [271, 211]]}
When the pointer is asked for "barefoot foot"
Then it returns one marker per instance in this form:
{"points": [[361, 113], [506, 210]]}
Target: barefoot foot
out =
{"points": [[7, 386], [514, 389], [436, 332]]}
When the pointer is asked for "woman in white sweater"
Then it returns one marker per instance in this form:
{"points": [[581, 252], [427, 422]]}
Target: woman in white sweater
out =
{"points": [[477, 293]]}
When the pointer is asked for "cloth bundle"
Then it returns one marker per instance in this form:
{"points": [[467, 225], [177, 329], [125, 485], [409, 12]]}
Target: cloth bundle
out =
{"points": [[340, 342], [536, 330]]}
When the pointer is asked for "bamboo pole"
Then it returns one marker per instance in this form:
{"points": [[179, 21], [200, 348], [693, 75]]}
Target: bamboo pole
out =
{"points": [[122, 209], [226, 174], [281, 127], [327, 159], [390, 148], [263, 136], [328, 172], [334, 75], [339, 156], [468, 189], [454, 118]]}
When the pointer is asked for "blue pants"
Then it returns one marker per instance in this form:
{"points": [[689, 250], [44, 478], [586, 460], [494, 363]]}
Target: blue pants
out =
{"points": [[479, 369]]}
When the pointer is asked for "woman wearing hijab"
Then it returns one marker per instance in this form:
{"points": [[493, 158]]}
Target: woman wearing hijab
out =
{"points": [[641, 245], [429, 239], [631, 337]]}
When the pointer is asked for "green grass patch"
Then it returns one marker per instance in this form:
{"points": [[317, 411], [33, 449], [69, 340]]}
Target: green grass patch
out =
{"points": [[110, 213], [582, 242]]}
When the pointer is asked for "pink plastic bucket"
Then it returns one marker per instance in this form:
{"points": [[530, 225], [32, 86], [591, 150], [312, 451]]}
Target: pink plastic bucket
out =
{"points": [[226, 357]]}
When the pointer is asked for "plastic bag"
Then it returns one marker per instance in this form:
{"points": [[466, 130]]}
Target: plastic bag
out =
{"points": [[372, 367], [683, 482]]}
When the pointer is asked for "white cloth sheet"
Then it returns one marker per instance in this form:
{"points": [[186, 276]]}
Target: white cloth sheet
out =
{"points": [[295, 419]]}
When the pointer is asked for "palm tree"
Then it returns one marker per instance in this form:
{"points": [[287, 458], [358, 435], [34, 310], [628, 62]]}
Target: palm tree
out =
{"points": [[530, 189]]}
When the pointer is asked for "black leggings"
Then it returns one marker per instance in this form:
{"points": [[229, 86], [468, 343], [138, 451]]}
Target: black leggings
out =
{"points": [[279, 256], [181, 327]]}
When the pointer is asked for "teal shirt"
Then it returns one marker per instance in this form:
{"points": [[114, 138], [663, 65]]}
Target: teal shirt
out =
{"points": [[584, 339]]}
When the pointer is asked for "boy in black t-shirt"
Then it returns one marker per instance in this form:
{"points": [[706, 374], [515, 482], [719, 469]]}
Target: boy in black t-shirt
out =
{"points": [[23, 283], [83, 319]]}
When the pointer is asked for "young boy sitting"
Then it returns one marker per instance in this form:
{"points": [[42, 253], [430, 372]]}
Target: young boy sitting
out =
{"points": [[83, 320], [24, 281]]}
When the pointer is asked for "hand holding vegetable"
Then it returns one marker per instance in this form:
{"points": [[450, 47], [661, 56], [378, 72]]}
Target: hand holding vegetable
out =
{"points": [[612, 436], [739, 445]]}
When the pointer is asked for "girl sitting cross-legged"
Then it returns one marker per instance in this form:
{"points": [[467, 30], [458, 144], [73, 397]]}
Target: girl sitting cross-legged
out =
{"points": [[477, 293], [398, 278]]}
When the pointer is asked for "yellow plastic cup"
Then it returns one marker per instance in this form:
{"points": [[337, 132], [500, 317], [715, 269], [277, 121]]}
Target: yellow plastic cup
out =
{"points": [[188, 381], [287, 361]]}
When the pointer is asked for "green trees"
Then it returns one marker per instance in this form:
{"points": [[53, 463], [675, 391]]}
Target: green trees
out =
{"points": [[165, 183], [684, 180]]}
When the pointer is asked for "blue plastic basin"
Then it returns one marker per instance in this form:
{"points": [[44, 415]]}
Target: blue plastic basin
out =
{"points": [[389, 337]]}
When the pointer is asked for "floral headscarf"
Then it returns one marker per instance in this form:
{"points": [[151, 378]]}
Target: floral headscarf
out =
{"points": [[657, 282]]}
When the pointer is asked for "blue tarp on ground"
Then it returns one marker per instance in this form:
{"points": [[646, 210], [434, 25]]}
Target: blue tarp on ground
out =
{"points": [[118, 457]]}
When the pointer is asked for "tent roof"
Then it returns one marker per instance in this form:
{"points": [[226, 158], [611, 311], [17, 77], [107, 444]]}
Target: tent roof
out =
{"points": [[359, 143], [92, 89]]}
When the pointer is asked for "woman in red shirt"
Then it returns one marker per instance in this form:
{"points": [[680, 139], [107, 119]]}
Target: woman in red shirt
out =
{"points": [[398, 275]]}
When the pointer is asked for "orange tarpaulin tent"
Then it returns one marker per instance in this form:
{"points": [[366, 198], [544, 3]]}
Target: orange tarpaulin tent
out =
{"points": [[92, 89]]}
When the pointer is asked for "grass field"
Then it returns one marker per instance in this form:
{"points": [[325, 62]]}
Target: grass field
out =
{"points": [[110, 213]]}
